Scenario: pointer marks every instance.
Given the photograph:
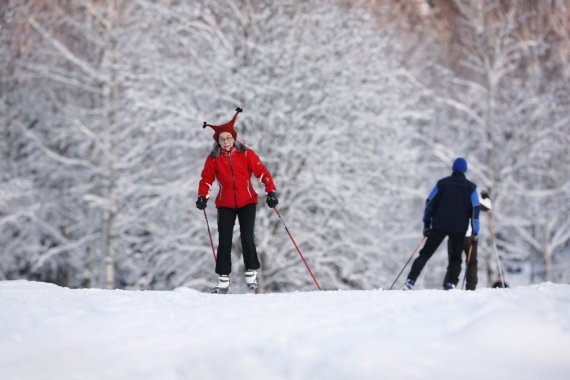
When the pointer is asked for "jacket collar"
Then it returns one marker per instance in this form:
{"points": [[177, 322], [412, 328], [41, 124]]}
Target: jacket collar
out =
{"points": [[228, 152], [217, 149]]}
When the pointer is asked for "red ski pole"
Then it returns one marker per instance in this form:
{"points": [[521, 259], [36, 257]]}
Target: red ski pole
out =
{"points": [[210, 235], [298, 250]]}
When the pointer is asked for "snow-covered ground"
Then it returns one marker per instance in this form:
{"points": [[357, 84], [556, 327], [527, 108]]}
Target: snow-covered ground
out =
{"points": [[48, 332]]}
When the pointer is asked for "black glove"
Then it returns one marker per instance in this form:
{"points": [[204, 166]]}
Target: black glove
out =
{"points": [[272, 200], [427, 231], [201, 203], [484, 194], [474, 238]]}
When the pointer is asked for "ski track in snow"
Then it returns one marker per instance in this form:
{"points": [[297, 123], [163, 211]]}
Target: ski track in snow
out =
{"points": [[48, 332]]}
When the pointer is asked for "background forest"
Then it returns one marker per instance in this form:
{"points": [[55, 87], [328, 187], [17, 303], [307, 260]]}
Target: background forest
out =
{"points": [[356, 107]]}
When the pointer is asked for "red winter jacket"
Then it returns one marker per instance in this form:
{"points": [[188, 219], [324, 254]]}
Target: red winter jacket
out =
{"points": [[233, 171]]}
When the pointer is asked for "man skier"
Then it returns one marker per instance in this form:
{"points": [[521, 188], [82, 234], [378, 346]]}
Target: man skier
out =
{"points": [[449, 207]]}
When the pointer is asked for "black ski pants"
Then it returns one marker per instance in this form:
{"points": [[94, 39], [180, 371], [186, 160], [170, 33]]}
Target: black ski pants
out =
{"points": [[454, 251], [226, 222]]}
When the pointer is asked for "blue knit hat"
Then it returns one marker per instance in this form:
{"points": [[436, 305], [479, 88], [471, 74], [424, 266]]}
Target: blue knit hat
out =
{"points": [[459, 165]]}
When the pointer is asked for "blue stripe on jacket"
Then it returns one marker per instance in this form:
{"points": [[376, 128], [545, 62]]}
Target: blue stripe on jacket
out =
{"points": [[429, 207], [476, 208]]}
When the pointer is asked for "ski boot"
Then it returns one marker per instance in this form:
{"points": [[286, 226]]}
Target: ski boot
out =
{"points": [[223, 284], [448, 286], [409, 285], [251, 280]]}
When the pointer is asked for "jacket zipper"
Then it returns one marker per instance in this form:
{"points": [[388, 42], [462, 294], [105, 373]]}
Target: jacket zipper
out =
{"points": [[233, 178]]}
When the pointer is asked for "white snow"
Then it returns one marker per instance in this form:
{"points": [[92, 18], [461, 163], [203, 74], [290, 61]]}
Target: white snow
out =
{"points": [[48, 332]]}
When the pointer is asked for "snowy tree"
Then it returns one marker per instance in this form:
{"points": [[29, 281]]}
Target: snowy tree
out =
{"points": [[102, 104], [24, 227], [502, 115]]}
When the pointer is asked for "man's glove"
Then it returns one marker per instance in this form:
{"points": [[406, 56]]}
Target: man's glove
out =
{"points": [[272, 200], [427, 231], [484, 194], [201, 203], [474, 238]]}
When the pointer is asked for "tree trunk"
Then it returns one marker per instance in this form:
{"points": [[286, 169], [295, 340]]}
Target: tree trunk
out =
{"points": [[111, 100]]}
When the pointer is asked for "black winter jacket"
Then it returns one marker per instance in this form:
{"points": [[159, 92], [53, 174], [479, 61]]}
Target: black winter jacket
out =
{"points": [[451, 203]]}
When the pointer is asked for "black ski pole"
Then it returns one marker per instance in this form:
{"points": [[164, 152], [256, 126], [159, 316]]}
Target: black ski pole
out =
{"points": [[298, 250], [210, 235], [467, 264], [407, 262], [493, 240]]}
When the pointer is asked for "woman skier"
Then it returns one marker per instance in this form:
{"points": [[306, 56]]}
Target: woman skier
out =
{"points": [[232, 164]]}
